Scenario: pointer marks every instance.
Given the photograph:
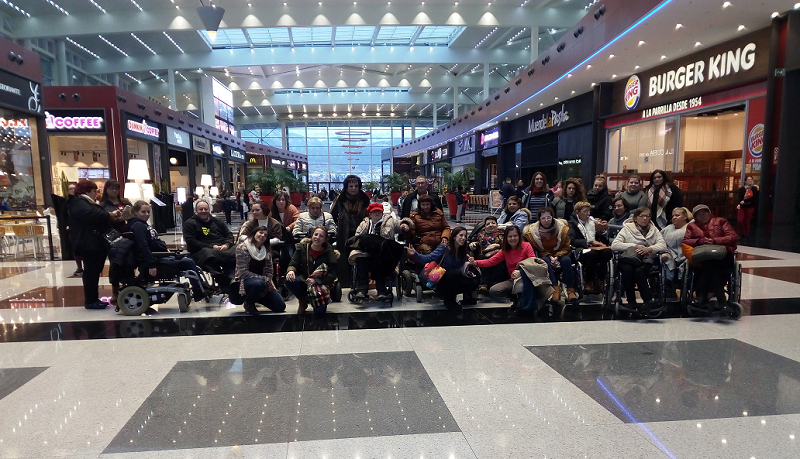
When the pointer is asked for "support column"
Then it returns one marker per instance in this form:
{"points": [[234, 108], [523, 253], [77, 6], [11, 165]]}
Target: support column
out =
{"points": [[534, 44], [486, 71], [455, 102], [115, 80], [435, 114], [284, 135], [171, 82], [413, 128], [61, 62]]}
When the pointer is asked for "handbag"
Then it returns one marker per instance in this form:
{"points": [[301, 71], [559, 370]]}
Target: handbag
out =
{"points": [[109, 237], [708, 252], [630, 257]]}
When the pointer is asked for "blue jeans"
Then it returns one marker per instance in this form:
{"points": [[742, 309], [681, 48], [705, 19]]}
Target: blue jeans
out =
{"points": [[566, 270], [298, 287], [254, 292], [184, 264]]}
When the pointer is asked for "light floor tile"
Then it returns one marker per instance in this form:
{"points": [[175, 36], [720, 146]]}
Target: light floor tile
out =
{"points": [[444, 445]]}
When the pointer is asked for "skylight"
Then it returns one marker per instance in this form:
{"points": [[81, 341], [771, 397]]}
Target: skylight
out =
{"points": [[275, 36], [438, 35], [311, 35], [396, 34], [354, 35]]}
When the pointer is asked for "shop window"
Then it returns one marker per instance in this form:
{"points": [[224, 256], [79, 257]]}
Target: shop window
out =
{"points": [[710, 150], [76, 157], [17, 173]]}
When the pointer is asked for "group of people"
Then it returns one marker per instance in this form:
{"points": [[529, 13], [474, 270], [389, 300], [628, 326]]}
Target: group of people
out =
{"points": [[555, 226]]}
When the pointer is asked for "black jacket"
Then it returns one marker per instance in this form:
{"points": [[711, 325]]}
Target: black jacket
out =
{"points": [[406, 210], [459, 198], [147, 242], [346, 224], [602, 206], [303, 264], [217, 233], [508, 190], [87, 223]]}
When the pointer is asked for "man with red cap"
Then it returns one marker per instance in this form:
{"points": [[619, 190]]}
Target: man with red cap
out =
{"points": [[385, 226]]}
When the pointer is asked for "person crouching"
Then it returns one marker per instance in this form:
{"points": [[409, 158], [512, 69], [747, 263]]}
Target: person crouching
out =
{"points": [[254, 272]]}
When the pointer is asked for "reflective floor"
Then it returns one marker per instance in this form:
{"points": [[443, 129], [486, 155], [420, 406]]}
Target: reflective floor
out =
{"points": [[408, 381]]}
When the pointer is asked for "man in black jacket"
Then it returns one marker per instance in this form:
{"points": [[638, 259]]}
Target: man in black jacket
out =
{"points": [[507, 190], [210, 241], [410, 202]]}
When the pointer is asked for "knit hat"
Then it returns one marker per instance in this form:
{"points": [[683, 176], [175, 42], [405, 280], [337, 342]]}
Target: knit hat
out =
{"points": [[700, 207], [374, 206]]}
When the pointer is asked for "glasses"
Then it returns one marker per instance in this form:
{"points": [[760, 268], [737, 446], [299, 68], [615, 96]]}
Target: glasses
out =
{"points": [[644, 216], [545, 218]]}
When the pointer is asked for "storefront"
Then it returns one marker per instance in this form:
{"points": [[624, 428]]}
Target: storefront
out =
{"points": [[463, 153], [486, 160], [236, 169], [78, 146], [554, 141], [24, 173], [202, 161], [700, 118], [436, 160], [178, 145], [219, 169], [144, 139]]}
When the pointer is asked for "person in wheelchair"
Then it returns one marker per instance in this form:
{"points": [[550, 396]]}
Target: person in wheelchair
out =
{"points": [[515, 214], [306, 271], [710, 275], [210, 243], [587, 236], [549, 237], [484, 241], [429, 226], [673, 236], [384, 226], [147, 241], [313, 218], [514, 251], [454, 258], [254, 272], [638, 243]]}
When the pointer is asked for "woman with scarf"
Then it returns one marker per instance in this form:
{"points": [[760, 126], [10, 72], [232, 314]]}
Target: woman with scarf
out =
{"points": [[673, 236], [306, 271], [539, 194], [348, 210], [514, 214], [88, 222], [254, 272], [573, 192], [513, 252], [549, 237], [641, 236], [663, 197], [593, 246], [429, 225], [485, 241], [453, 257]]}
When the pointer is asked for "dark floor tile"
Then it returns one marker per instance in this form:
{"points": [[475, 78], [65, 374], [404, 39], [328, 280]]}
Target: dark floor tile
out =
{"points": [[750, 257], [772, 306], [680, 380], [274, 400], [51, 297], [12, 379], [783, 273]]}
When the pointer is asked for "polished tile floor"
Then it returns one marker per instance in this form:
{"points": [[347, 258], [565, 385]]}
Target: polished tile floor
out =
{"points": [[410, 381]]}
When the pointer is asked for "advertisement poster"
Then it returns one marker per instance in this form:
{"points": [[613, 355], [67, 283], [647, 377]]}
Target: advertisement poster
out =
{"points": [[754, 140], [157, 162]]}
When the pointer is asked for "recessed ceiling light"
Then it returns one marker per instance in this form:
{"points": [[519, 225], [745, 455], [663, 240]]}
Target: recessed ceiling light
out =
{"points": [[636, 67], [641, 42], [775, 14], [741, 27], [614, 75], [611, 56], [726, 4], [541, 104], [698, 44], [589, 66], [678, 26], [663, 57]]}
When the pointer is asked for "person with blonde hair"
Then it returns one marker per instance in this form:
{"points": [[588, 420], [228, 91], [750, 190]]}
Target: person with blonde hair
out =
{"points": [[673, 236], [593, 246], [313, 218]]}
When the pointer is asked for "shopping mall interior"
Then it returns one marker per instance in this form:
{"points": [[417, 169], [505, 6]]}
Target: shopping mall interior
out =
{"points": [[184, 102]]}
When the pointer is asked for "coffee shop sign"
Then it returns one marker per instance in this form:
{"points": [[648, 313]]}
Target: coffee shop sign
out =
{"points": [[548, 120]]}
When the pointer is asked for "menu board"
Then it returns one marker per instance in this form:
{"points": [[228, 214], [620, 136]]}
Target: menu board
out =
{"points": [[91, 173]]}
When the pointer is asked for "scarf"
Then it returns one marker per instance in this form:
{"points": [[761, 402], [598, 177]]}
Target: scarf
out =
{"points": [[547, 233], [256, 254], [374, 228], [664, 195]]}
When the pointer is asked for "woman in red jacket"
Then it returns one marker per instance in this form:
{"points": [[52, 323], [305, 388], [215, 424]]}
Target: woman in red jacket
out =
{"points": [[514, 251], [711, 274]]}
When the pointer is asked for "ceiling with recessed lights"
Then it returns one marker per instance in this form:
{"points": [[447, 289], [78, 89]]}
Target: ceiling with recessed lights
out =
{"points": [[371, 56]]}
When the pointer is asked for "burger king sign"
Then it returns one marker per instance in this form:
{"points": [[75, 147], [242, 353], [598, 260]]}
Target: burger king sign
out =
{"points": [[633, 91], [755, 142]]}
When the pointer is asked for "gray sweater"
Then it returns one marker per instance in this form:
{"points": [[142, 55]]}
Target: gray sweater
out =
{"points": [[673, 237]]}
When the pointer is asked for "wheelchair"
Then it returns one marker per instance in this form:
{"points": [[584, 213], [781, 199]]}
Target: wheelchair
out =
{"points": [[392, 281], [733, 290], [140, 292], [655, 279]]}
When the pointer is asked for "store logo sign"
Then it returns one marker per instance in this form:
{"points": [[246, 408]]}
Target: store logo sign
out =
{"points": [[490, 137], [143, 128], [80, 123], [633, 91], [201, 144], [13, 123], [217, 149], [755, 141], [237, 154], [548, 120]]}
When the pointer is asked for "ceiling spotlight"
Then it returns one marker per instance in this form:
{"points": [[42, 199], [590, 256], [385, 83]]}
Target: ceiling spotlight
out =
{"points": [[775, 14], [678, 26], [726, 4], [741, 27], [698, 44]]}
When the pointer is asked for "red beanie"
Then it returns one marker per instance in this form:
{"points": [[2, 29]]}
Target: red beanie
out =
{"points": [[374, 206]]}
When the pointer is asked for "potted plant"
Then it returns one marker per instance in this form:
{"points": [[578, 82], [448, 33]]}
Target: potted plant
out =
{"points": [[267, 182], [297, 188], [369, 186], [395, 183]]}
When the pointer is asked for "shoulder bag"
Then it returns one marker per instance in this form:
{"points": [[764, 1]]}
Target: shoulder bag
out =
{"points": [[630, 257], [708, 252]]}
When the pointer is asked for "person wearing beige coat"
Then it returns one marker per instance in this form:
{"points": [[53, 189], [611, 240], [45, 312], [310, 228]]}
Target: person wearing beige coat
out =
{"points": [[639, 242]]}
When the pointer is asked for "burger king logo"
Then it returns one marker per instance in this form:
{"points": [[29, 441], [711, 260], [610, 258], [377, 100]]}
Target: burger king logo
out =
{"points": [[755, 141], [633, 90]]}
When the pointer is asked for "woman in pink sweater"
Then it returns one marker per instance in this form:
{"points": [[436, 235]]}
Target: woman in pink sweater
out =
{"points": [[514, 250]]}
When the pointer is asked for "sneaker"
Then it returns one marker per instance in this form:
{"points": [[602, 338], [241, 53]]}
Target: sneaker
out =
{"points": [[77, 273], [382, 297]]}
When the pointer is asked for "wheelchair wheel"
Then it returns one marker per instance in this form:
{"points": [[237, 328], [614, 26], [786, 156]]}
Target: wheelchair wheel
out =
{"points": [[419, 293], [183, 302], [398, 286], [735, 285], [133, 300], [408, 282], [735, 311]]}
